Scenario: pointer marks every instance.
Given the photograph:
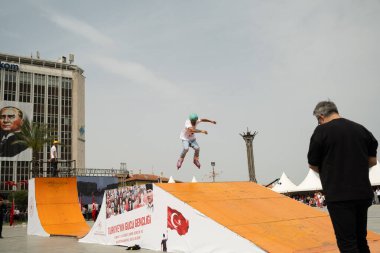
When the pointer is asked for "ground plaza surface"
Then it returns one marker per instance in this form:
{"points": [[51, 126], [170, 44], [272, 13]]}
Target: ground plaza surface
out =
{"points": [[16, 240]]}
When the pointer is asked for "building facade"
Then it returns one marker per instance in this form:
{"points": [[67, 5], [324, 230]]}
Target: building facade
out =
{"points": [[49, 92]]}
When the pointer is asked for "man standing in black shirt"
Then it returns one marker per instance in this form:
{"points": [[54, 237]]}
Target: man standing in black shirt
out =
{"points": [[342, 152], [163, 243]]}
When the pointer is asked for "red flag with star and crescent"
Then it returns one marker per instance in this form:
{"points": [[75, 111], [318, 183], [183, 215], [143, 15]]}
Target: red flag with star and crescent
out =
{"points": [[176, 221]]}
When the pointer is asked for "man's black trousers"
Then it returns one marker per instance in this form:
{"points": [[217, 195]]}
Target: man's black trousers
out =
{"points": [[349, 219]]}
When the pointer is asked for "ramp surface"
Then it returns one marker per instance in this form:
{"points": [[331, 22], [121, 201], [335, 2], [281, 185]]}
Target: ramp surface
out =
{"points": [[270, 220], [58, 207]]}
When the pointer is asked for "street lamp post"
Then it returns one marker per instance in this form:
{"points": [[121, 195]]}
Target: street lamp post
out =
{"points": [[213, 171]]}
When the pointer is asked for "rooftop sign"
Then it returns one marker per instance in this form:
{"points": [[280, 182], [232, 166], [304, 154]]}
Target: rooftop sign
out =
{"points": [[9, 66]]}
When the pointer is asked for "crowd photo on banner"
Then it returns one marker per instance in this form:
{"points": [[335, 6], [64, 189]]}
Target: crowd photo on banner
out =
{"points": [[128, 198]]}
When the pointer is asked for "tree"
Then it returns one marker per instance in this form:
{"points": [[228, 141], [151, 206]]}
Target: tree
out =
{"points": [[34, 135], [21, 199]]}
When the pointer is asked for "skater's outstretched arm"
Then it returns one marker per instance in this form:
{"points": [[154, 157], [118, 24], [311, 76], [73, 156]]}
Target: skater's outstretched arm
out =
{"points": [[207, 120]]}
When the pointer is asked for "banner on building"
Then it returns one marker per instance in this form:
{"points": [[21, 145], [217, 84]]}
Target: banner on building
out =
{"points": [[12, 116]]}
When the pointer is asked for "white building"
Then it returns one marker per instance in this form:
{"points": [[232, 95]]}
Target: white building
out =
{"points": [[50, 92]]}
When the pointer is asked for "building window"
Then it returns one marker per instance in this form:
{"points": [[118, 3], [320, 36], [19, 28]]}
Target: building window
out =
{"points": [[6, 175], [22, 174], [10, 86], [39, 106], [66, 116], [39, 98], [25, 87], [52, 116]]}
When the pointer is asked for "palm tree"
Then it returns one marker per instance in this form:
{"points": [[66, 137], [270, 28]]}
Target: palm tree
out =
{"points": [[34, 135]]}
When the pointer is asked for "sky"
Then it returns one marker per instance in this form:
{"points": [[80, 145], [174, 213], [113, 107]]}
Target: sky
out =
{"points": [[261, 65]]}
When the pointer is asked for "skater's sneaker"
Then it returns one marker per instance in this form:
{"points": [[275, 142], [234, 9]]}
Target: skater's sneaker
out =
{"points": [[179, 163], [197, 163]]}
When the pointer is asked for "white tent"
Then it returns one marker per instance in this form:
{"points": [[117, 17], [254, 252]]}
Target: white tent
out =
{"points": [[311, 182], [171, 180], [284, 185], [374, 174]]}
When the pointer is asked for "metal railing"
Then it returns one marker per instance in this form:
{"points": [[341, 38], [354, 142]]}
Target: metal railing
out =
{"points": [[41, 168], [101, 172], [67, 168]]}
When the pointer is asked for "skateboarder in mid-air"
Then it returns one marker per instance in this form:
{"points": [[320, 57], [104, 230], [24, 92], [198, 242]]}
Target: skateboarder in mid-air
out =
{"points": [[188, 138]]}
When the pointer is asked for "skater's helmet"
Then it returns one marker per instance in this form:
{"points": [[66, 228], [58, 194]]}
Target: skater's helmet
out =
{"points": [[193, 117]]}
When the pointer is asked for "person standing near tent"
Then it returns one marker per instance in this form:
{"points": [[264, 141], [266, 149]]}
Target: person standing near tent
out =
{"points": [[342, 152], [188, 138]]}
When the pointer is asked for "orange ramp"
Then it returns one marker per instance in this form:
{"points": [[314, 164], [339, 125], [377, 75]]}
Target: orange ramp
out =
{"points": [[58, 207], [272, 221]]}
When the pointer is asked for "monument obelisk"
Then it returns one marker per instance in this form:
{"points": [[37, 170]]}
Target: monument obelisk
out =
{"points": [[248, 138]]}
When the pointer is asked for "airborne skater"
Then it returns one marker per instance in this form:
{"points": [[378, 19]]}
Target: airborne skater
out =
{"points": [[188, 138]]}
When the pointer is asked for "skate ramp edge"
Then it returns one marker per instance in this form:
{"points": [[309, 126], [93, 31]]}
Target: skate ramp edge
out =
{"points": [[58, 207], [272, 221]]}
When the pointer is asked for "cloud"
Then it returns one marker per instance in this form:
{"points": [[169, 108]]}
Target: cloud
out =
{"points": [[80, 28], [137, 72]]}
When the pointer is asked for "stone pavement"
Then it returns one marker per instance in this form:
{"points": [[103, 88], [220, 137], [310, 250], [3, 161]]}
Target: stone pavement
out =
{"points": [[17, 241]]}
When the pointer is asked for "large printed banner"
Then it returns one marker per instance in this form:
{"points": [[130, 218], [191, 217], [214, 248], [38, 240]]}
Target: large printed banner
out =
{"points": [[150, 217], [125, 214], [12, 116]]}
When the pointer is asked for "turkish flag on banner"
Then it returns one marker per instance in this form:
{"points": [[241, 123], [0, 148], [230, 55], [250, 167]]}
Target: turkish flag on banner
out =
{"points": [[176, 221], [12, 213]]}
